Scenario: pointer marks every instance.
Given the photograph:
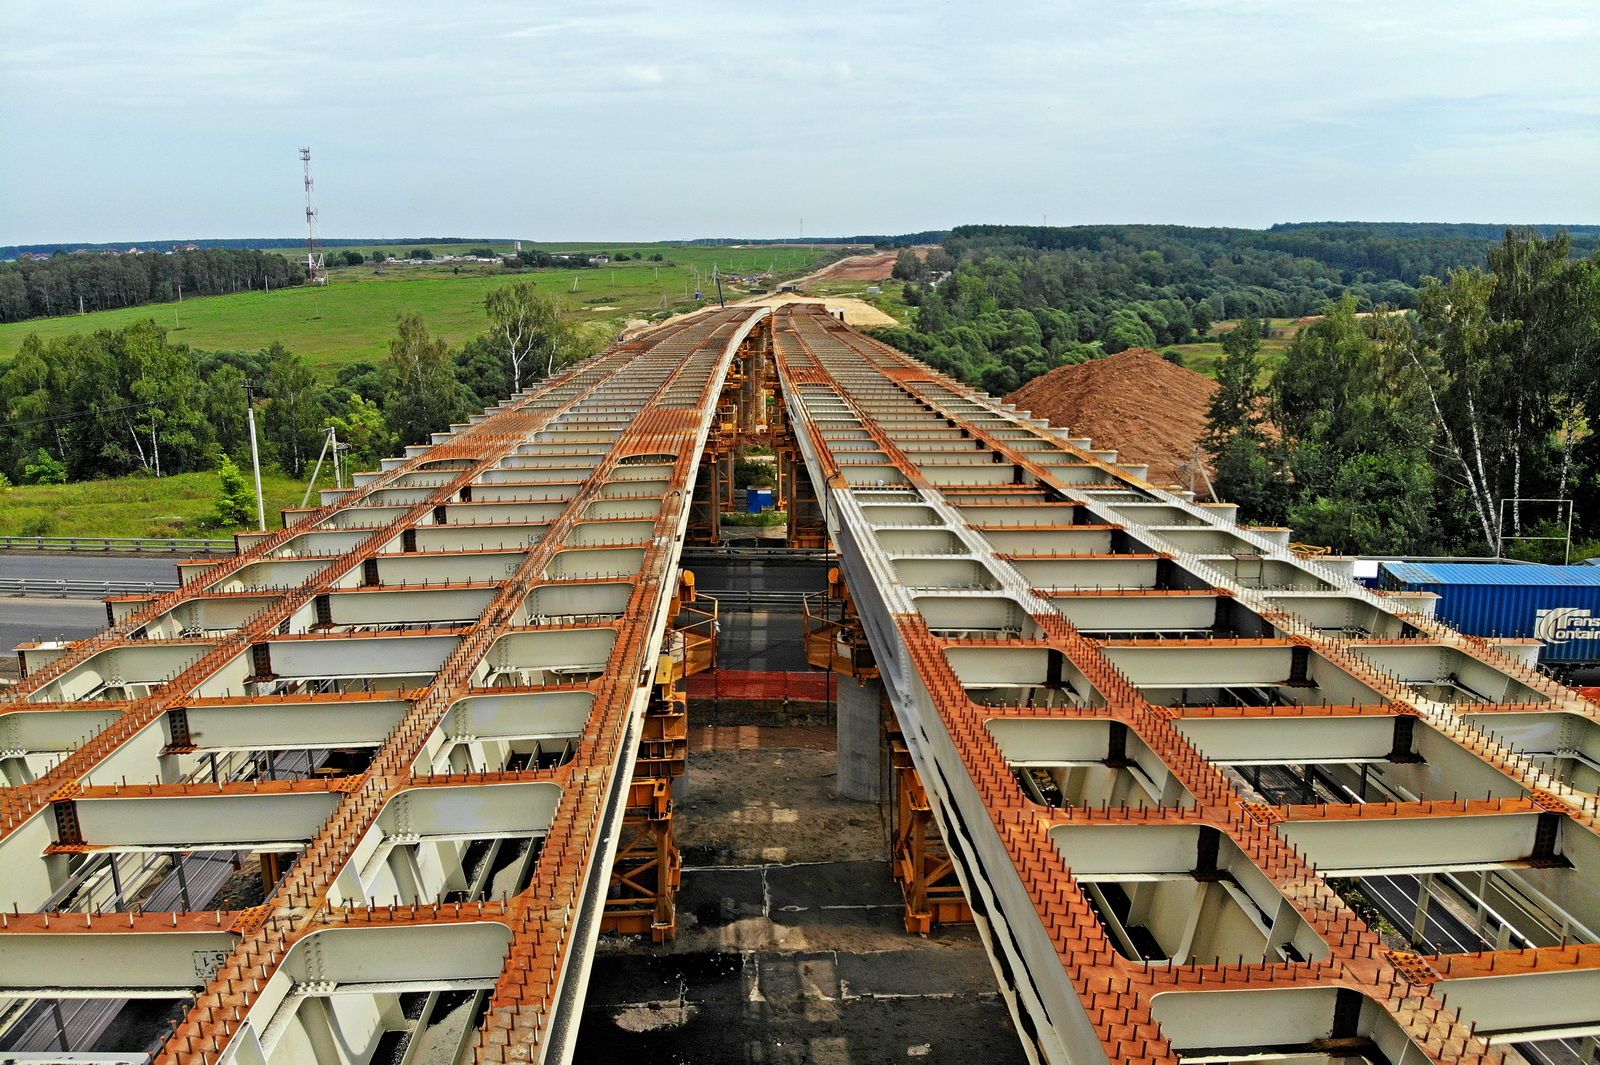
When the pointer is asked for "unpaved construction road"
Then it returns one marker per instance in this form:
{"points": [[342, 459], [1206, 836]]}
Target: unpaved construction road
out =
{"points": [[874, 267], [791, 948]]}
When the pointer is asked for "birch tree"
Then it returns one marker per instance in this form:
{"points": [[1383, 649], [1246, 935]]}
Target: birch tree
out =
{"points": [[1457, 359], [529, 327], [1509, 372]]}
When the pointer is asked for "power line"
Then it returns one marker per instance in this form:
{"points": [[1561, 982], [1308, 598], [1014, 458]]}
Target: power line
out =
{"points": [[73, 415]]}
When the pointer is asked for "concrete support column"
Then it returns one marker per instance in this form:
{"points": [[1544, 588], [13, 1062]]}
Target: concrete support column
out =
{"points": [[858, 722]]}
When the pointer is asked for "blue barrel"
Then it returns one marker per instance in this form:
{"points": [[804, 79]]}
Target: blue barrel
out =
{"points": [[759, 499]]}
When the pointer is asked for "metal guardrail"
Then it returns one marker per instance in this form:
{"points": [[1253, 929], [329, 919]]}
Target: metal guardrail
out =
{"points": [[110, 544], [197, 545], [746, 599], [61, 589], [694, 553]]}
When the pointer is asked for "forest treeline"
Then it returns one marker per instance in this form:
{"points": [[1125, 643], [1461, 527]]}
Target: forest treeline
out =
{"points": [[1407, 431], [67, 284], [114, 402], [999, 305], [1419, 432]]}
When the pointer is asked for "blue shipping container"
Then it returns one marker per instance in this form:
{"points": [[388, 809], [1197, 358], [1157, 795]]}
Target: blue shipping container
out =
{"points": [[1559, 605], [758, 499]]}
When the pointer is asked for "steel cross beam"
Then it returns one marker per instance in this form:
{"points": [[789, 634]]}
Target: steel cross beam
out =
{"points": [[484, 444], [1101, 906], [652, 402]]}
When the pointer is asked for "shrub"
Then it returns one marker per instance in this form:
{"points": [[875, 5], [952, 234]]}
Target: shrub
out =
{"points": [[766, 519], [236, 501], [747, 472], [44, 468]]}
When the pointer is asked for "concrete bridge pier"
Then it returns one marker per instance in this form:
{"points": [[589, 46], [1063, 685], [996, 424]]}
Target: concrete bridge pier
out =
{"points": [[858, 721]]}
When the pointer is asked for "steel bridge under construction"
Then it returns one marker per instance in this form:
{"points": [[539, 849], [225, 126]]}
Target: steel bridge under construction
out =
{"points": [[371, 790]]}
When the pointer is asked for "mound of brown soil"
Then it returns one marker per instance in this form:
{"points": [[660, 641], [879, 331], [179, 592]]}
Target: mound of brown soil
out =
{"points": [[1149, 409]]}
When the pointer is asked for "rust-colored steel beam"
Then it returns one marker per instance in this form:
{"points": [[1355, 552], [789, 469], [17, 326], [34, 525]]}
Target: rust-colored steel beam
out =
{"points": [[1098, 779], [484, 820]]}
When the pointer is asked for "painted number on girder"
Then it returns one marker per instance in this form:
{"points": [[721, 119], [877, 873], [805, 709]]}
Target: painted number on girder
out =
{"points": [[206, 964]]}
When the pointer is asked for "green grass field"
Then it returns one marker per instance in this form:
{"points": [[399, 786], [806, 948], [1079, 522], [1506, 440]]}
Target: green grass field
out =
{"points": [[352, 318], [1203, 358], [890, 299], [133, 506], [438, 247]]}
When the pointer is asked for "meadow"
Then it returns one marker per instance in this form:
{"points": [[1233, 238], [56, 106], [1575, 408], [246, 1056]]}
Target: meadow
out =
{"points": [[349, 320], [890, 297], [1203, 358], [134, 506], [352, 318]]}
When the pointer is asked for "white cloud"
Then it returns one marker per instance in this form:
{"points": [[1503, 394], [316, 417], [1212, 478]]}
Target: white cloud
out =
{"points": [[896, 115], [643, 75]]}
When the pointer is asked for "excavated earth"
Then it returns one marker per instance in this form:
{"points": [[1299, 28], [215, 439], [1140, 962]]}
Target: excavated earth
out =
{"points": [[1149, 409]]}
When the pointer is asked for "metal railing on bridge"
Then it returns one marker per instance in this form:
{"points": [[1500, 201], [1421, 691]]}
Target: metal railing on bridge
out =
{"points": [[46, 588], [138, 545], [727, 553], [747, 599]]}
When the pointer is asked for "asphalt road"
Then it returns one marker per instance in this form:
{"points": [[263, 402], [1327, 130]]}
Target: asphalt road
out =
{"points": [[761, 576], [751, 639], [84, 567], [1446, 933], [766, 640], [23, 618]]}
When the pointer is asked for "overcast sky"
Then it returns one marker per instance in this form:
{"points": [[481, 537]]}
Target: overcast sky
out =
{"points": [[155, 119]]}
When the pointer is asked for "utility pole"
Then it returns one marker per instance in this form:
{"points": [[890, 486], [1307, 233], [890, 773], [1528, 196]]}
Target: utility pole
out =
{"points": [[330, 443], [255, 454]]}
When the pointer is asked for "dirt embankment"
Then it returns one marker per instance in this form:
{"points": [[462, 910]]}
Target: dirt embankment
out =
{"points": [[875, 267], [1149, 409], [857, 312]]}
